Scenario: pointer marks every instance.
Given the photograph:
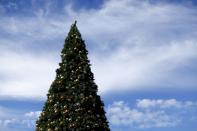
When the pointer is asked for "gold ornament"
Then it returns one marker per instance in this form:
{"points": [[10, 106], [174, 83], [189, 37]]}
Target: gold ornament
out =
{"points": [[96, 124], [56, 128], [61, 97], [49, 129], [82, 95], [71, 125], [61, 77], [43, 113], [59, 82], [50, 100], [66, 111]]}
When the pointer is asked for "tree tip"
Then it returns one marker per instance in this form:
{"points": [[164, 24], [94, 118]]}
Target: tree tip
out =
{"points": [[75, 22]]}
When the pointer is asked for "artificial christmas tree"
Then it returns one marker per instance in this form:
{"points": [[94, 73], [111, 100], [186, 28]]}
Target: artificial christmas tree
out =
{"points": [[72, 101]]}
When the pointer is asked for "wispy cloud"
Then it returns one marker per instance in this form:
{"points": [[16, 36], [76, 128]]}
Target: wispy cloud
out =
{"points": [[132, 44], [15, 120], [160, 103], [25, 75], [143, 115]]}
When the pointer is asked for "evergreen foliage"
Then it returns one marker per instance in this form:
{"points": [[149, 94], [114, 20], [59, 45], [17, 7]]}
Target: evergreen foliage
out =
{"points": [[72, 101]]}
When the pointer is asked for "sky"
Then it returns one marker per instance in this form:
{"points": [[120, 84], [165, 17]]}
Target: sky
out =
{"points": [[143, 55]]}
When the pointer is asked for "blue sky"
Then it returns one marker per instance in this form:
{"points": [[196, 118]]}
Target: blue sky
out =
{"points": [[143, 55]]}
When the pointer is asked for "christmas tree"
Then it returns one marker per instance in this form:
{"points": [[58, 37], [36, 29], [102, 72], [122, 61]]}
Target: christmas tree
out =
{"points": [[72, 101]]}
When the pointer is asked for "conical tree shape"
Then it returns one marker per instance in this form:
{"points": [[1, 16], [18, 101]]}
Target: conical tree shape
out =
{"points": [[72, 103]]}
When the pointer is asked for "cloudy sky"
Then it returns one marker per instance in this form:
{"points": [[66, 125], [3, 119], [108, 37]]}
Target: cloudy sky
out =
{"points": [[143, 55]]}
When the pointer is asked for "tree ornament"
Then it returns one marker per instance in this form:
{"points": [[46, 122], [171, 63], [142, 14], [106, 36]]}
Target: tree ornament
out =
{"points": [[61, 77], [58, 81], [62, 97], [65, 111], [43, 114], [56, 128], [69, 119], [90, 96], [69, 99], [61, 122], [71, 125], [49, 129], [76, 80], [81, 95]]}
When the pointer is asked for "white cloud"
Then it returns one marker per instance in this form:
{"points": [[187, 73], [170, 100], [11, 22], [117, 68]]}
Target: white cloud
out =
{"points": [[147, 103], [143, 45], [123, 115], [133, 45], [25, 75], [15, 120], [143, 115], [33, 114], [160, 103], [144, 67]]}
